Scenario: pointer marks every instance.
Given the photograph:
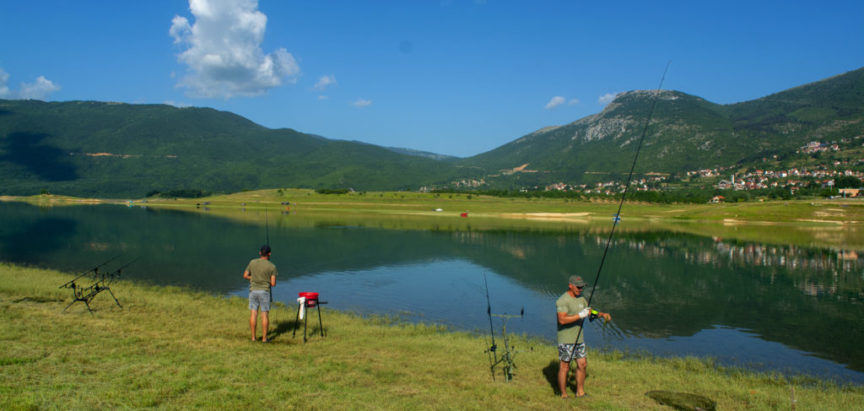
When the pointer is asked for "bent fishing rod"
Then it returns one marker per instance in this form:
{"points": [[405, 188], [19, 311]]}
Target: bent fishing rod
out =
{"points": [[617, 218]]}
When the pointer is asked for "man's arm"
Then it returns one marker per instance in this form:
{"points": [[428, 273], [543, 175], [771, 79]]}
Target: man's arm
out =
{"points": [[272, 280], [247, 275], [563, 318]]}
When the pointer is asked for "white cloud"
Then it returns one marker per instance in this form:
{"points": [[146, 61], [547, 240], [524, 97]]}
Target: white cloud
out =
{"points": [[607, 98], [322, 97], [223, 50], [361, 103], [573, 102], [555, 102], [37, 90], [324, 82]]}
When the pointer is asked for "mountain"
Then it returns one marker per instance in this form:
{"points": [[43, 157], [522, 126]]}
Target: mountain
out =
{"points": [[118, 150], [121, 150], [418, 153], [686, 133]]}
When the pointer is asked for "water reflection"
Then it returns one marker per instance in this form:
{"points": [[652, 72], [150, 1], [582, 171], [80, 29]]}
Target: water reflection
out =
{"points": [[780, 306]]}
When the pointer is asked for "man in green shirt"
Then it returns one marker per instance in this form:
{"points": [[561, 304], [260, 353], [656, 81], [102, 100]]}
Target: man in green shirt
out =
{"points": [[572, 310], [261, 274]]}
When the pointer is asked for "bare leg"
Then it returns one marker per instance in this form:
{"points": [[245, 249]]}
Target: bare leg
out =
{"points": [[581, 371], [253, 319], [265, 323], [563, 369]]}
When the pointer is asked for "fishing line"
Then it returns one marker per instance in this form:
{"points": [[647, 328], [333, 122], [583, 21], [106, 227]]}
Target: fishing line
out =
{"points": [[617, 216], [267, 227]]}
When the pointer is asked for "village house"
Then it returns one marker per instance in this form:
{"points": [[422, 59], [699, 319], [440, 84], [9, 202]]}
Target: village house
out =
{"points": [[850, 192]]}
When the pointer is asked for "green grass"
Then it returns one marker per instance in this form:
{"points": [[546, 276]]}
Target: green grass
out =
{"points": [[176, 349]]}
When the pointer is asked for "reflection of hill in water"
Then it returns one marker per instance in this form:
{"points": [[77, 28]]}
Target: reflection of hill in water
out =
{"points": [[657, 284]]}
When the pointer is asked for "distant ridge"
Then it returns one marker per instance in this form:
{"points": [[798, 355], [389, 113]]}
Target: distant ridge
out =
{"points": [[686, 133], [425, 154], [88, 148]]}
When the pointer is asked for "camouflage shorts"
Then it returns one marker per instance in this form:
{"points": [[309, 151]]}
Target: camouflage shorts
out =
{"points": [[564, 351]]}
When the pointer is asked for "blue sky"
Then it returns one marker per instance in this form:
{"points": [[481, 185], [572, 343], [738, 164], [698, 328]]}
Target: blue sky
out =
{"points": [[456, 77]]}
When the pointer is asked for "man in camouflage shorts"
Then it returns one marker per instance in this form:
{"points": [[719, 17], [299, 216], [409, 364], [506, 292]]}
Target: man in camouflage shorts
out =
{"points": [[572, 310]]}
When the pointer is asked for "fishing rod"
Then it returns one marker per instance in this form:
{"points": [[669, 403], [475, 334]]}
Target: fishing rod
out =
{"points": [[101, 282], [508, 356], [116, 273], [267, 234], [94, 270], [494, 359], [617, 218], [267, 227]]}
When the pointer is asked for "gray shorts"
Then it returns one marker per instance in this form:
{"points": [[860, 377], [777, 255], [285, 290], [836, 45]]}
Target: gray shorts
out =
{"points": [[259, 298], [564, 351]]}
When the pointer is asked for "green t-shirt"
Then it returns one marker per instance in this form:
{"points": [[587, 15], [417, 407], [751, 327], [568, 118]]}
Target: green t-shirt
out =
{"points": [[570, 305], [261, 271]]}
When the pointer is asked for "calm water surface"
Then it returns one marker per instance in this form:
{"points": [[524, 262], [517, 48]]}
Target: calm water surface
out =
{"points": [[765, 307]]}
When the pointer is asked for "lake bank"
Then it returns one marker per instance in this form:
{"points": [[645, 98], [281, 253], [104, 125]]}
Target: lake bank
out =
{"points": [[827, 223], [173, 348]]}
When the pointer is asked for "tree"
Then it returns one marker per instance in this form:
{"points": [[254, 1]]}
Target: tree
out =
{"points": [[847, 182]]}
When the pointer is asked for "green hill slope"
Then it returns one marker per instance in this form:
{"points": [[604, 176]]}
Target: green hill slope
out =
{"points": [[108, 149], [686, 133], [122, 150]]}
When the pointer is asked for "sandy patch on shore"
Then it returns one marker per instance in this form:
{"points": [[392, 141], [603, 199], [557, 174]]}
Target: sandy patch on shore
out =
{"points": [[571, 217], [821, 221]]}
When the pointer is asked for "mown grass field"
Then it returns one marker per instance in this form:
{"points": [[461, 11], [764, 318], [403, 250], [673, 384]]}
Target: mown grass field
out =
{"points": [[177, 349]]}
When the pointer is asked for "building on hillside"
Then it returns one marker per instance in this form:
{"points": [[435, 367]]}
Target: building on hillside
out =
{"points": [[850, 192], [718, 199]]}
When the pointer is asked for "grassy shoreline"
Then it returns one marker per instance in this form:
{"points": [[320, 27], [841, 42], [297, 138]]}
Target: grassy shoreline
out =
{"points": [[174, 348], [837, 223]]}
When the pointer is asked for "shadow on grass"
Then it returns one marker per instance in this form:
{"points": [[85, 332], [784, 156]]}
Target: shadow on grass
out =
{"points": [[293, 328], [551, 373], [282, 327]]}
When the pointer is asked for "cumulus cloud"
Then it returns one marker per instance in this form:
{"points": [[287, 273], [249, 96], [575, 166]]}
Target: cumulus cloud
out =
{"points": [[222, 50], [555, 102], [37, 90], [573, 102], [361, 103], [324, 82], [607, 98]]}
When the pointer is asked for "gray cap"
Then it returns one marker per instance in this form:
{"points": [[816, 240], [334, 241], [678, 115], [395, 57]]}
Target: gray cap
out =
{"points": [[577, 281]]}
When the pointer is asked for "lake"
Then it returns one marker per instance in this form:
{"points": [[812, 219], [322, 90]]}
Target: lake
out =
{"points": [[765, 307]]}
